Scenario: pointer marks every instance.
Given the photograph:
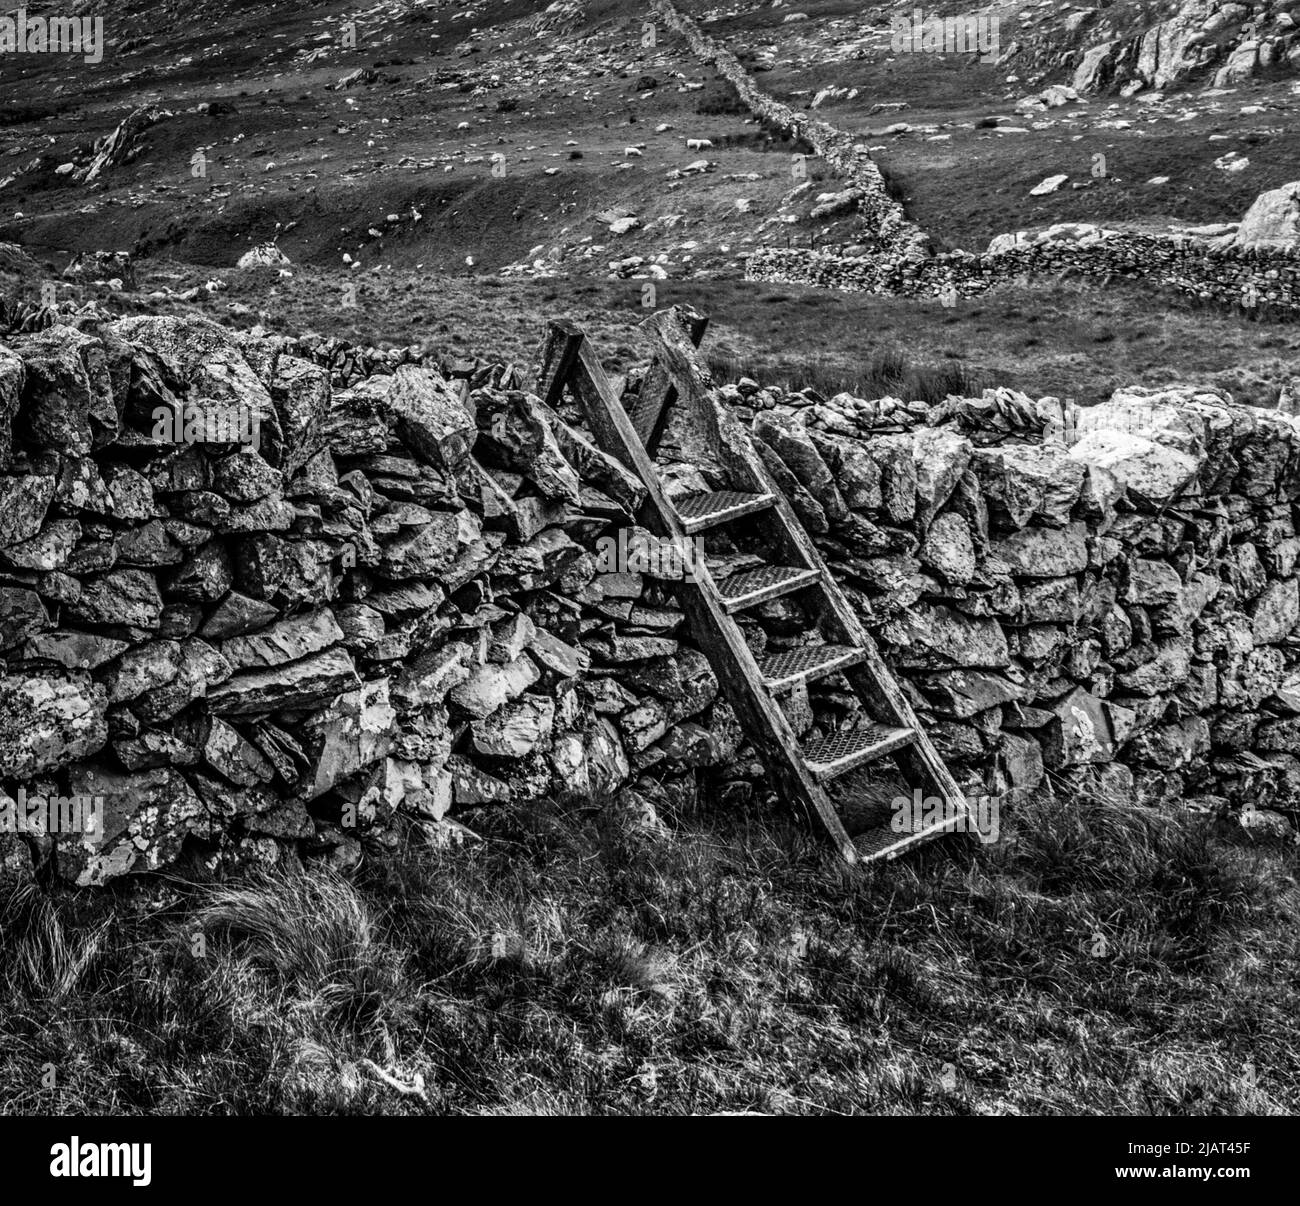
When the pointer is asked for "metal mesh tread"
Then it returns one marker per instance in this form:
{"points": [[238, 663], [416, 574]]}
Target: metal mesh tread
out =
{"points": [[712, 507], [885, 842], [750, 587], [842, 751], [806, 663]]}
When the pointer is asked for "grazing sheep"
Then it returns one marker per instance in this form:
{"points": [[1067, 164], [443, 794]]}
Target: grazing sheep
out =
{"points": [[697, 144], [629, 152]]}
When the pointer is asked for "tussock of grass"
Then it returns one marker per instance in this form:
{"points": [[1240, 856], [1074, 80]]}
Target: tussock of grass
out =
{"points": [[883, 374], [563, 967], [312, 939], [42, 955]]}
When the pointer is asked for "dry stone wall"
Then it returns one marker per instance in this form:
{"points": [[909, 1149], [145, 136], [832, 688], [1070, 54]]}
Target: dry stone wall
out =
{"points": [[396, 605], [1106, 597], [410, 598], [881, 215], [1261, 280]]}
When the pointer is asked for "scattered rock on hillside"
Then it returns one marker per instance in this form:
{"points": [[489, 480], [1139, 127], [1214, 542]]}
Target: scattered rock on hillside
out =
{"points": [[122, 145], [1049, 185], [264, 255]]}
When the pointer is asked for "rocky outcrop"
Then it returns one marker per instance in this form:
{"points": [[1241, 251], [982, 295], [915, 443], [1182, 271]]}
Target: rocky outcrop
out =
{"points": [[1130, 47], [264, 255], [17, 260], [1172, 50], [121, 145], [1096, 69], [114, 268]]}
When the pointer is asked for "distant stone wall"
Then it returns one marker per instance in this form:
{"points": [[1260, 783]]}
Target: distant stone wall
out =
{"points": [[1263, 281], [881, 215], [1106, 595], [1266, 281]]}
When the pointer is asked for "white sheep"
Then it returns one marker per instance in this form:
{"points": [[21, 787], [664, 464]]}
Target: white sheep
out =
{"points": [[630, 152], [697, 144]]}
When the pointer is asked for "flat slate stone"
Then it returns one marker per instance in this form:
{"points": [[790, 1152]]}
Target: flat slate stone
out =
{"points": [[310, 683], [285, 641]]}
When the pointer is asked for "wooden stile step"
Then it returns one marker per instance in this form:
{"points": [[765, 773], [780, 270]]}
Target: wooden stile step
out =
{"points": [[749, 588], [784, 670], [841, 752], [885, 842], [699, 512]]}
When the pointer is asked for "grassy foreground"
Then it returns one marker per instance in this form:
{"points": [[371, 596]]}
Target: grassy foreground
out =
{"points": [[1097, 959]]}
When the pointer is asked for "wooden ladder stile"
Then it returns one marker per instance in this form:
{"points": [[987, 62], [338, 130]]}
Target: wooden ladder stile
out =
{"points": [[752, 684]]}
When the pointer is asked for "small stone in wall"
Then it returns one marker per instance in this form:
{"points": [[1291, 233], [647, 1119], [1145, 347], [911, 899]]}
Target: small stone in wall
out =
{"points": [[490, 687], [285, 641], [1167, 669], [1277, 612], [47, 723], [309, 683], [1045, 552], [1152, 583], [942, 634], [1084, 732], [948, 548], [516, 729], [510, 637]]}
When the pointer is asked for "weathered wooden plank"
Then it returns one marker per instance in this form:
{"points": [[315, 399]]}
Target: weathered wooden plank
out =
{"points": [[657, 393], [555, 360]]}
